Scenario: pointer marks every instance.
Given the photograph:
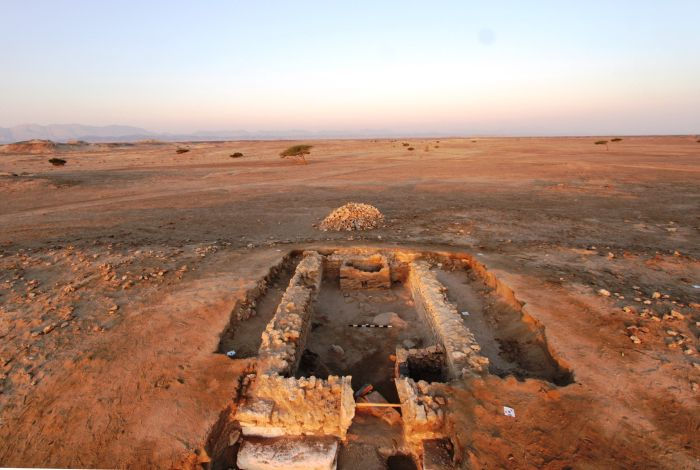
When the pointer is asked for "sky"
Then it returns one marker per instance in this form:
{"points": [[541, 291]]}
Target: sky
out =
{"points": [[430, 67]]}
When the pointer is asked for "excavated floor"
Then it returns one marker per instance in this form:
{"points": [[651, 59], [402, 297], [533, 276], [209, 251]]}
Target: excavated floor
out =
{"points": [[509, 344], [366, 352]]}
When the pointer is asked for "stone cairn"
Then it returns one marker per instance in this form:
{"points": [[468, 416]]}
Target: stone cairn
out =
{"points": [[353, 216]]}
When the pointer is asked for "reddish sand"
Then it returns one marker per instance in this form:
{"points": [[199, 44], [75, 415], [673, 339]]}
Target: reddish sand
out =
{"points": [[174, 240]]}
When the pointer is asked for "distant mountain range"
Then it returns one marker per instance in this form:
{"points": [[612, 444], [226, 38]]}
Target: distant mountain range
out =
{"points": [[67, 132]]}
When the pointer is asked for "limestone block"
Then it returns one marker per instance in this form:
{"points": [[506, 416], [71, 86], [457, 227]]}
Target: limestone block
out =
{"points": [[288, 454], [304, 406]]}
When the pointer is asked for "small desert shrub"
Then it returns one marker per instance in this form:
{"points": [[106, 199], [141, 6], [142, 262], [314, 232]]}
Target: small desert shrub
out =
{"points": [[473, 141], [410, 148], [181, 150], [57, 161], [236, 155], [427, 148], [297, 151], [616, 139], [601, 142], [437, 146], [405, 144]]}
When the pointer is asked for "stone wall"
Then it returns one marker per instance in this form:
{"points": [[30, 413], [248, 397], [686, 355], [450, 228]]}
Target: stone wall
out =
{"points": [[365, 272], [284, 337], [422, 411], [398, 260], [461, 349], [279, 406]]}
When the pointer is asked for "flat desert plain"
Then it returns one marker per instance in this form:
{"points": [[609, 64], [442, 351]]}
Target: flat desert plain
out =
{"points": [[119, 271]]}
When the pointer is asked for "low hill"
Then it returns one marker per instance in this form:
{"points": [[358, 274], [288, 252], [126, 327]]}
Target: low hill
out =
{"points": [[34, 146]]}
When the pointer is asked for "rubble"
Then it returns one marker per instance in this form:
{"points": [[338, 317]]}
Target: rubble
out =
{"points": [[353, 216]]}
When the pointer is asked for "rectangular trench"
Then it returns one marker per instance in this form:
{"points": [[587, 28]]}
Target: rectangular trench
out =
{"points": [[448, 319]]}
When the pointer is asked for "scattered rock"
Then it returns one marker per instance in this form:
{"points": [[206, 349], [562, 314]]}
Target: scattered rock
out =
{"points": [[604, 292], [677, 315], [337, 350]]}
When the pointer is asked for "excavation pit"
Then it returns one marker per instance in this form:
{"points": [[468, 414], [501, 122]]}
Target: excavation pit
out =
{"points": [[363, 352], [427, 364], [400, 462], [326, 324]]}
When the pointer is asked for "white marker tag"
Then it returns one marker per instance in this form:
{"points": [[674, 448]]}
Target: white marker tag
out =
{"points": [[509, 411], [465, 313]]}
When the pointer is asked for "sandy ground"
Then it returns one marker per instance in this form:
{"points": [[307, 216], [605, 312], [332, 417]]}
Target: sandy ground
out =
{"points": [[119, 271]]}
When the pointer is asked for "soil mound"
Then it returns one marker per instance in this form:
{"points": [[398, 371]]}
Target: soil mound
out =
{"points": [[353, 216], [30, 146]]}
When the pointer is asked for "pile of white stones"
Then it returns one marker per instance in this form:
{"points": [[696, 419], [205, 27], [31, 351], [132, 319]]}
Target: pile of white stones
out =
{"points": [[353, 216]]}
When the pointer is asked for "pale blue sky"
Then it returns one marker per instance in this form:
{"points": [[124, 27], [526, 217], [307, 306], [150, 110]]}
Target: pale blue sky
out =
{"points": [[459, 67]]}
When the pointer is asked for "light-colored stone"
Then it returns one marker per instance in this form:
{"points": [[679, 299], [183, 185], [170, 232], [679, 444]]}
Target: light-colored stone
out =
{"points": [[389, 318], [274, 405], [288, 454]]}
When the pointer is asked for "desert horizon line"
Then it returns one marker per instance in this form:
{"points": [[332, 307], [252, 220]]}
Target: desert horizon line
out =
{"points": [[76, 131]]}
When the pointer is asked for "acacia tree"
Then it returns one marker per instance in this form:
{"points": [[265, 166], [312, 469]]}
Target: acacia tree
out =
{"points": [[297, 151], [603, 142]]}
